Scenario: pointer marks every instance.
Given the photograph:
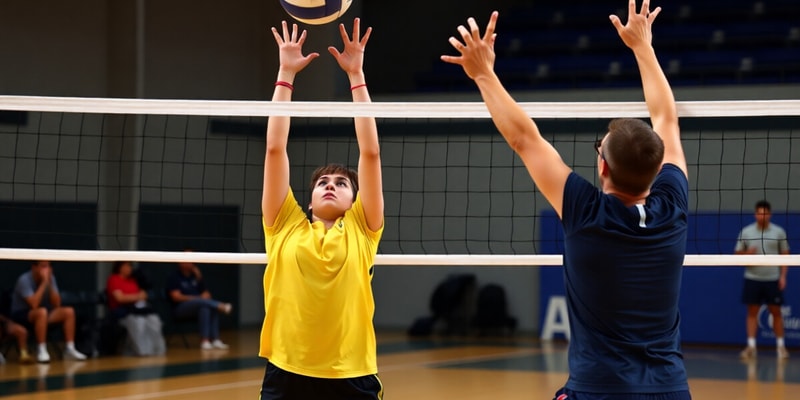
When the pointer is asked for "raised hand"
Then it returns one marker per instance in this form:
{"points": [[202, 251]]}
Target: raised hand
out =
{"points": [[477, 53], [351, 59], [46, 274], [637, 31], [290, 47]]}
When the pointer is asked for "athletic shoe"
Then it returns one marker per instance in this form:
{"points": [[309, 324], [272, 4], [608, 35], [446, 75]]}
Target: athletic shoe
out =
{"points": [[72, 354], [748, 353], [217, 344], [782, 353], [43, 356], [206, 345], [25, 358]]}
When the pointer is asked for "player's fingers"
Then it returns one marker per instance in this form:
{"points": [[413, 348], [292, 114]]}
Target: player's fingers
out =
{"points": [[357, 30], [365, 38], [616, 22], [465, 35], [451, 59], [631, 8], [654, 14], [491, 26], [343, 33], [302, 37], [456, 44], [294, 32], [645, 8], [285, 27], [277, 36], [475, 32]]}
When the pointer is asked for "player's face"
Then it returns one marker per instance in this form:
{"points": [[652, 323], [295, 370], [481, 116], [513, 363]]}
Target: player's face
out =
{"points": [[185, 267], [40, 269], [332, 196], [762, 216], [126, 270]]}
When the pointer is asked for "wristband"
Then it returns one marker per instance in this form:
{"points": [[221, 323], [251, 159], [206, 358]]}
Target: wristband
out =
{"points": [[354, 87], [285, 84]]}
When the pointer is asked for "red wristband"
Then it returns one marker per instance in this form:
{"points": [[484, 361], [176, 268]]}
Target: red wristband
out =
{"points": [[285, 84], [354, 87]]}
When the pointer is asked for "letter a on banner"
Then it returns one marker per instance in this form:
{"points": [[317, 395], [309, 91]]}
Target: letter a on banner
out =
{"points": [[556, 319]]}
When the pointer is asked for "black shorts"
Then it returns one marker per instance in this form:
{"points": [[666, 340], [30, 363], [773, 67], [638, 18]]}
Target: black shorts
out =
{"points": [[761, 292], [285, 385]]}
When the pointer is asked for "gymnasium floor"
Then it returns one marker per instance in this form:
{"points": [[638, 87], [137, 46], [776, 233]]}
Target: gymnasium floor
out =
{"points": [[469, 369]]}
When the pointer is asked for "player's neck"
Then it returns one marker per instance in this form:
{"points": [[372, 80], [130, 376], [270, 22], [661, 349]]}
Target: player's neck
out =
{"points": [[326, 223], [626, 198]]}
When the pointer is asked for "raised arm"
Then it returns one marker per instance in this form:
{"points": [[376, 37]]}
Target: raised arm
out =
{"points": [[34, 299], [637, 35], [34, 296], [370, 180], [276, 160], [543, 162]]}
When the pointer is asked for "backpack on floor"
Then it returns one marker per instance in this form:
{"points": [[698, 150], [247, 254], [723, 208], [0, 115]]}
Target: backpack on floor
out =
{"points": [[452, 305], [491, 316]]}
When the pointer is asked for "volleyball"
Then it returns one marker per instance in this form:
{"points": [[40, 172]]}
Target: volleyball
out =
{"points": [[316, 12]]}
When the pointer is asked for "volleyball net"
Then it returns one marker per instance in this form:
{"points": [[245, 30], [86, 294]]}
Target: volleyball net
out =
{"points": [[87, 179]]}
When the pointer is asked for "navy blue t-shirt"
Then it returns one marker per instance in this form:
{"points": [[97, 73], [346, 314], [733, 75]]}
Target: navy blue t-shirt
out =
{"points": [[622, 271], [187, 285]]}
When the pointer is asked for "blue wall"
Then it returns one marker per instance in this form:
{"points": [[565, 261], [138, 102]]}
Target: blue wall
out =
{"points": [[711, 309]]}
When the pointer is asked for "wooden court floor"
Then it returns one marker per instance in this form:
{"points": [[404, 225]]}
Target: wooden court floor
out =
{"points": [[419, 369]]}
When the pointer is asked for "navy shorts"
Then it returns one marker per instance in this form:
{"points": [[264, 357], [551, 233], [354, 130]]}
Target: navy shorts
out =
{"points": [[761, 292], [285, 385], [21, 317], [567, 394]]}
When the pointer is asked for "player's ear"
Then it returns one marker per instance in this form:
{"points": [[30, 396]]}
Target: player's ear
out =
{"points": [[603, 167]]}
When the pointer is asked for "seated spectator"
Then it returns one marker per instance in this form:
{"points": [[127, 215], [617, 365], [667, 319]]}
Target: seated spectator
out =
{"points": [[124, 293], [127, 305], [36, 303], [11, 328], [190, 297]]}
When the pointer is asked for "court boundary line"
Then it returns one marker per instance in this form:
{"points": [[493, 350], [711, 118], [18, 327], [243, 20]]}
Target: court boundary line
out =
{"points": [[390, 368]]}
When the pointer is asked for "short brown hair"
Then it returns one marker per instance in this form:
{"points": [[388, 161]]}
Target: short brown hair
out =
{"points": [[634, 153], [335, 169]]}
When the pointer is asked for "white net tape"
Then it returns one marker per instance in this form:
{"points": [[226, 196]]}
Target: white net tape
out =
{"points": [[389, 109], [381, 259]]}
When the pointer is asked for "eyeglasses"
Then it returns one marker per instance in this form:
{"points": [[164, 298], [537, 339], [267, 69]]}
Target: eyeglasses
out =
{"points": [[597, 144]]}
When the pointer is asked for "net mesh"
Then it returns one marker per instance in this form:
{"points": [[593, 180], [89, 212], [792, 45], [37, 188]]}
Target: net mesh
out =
{"points": [[109, 175]]}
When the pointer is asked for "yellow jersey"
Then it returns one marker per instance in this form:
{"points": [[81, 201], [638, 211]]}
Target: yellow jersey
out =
{"points": [[318, 294]]}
